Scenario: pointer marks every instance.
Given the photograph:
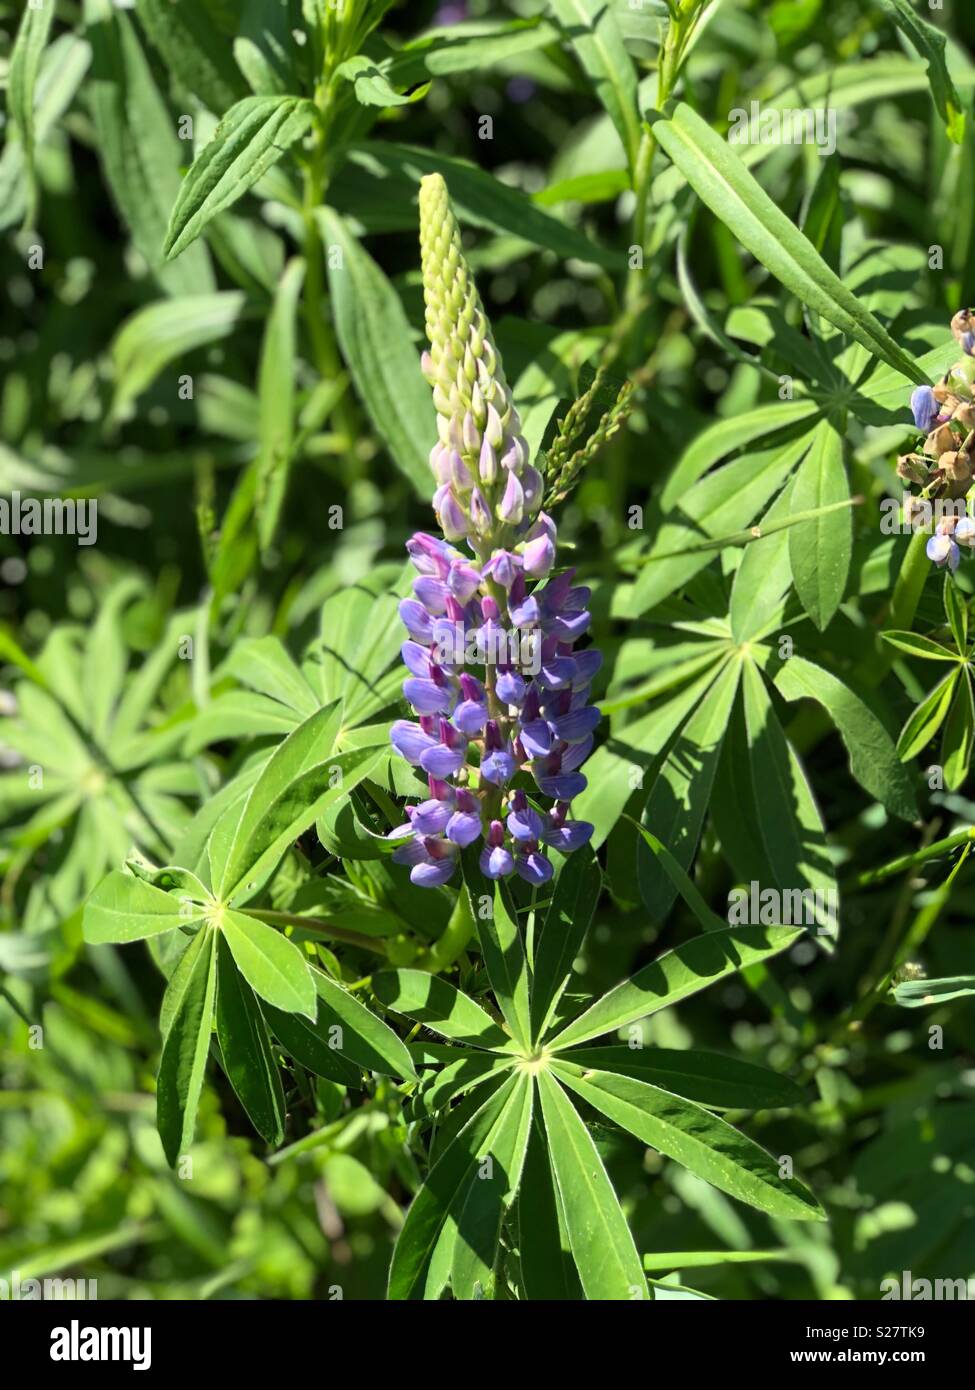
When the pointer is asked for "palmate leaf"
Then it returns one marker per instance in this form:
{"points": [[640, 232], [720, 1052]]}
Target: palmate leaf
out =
{"points": [[545, 1261], [361, 1037], [702, 1143], [927, 719], [723, 182], [959, 733], [501, 947]]}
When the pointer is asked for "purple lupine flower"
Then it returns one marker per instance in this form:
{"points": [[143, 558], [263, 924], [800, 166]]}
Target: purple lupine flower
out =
{"points": [[481, 738], [925, 408], [943, 551]]}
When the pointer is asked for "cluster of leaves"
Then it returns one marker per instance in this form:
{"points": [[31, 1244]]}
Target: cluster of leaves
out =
{"points": [[199, 759]]}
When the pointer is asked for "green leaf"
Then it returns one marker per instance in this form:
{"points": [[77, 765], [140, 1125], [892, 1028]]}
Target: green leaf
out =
{"points": [[169, 329], [371, 85], [300, 780], [477, 197], [820, 550], [599, 1238], [188, 1008], [504, 959], [926, 720], [449, 1176], [916, 645], [124, 908], [681, 883], [679, 795], [194, 50], [956, 611], [610, 769], [246, 1050], [956, 745], [250, 138], [561, 934], [917, 994], [592, 29], [930, 44], [431, 1000], [546, 1267], [311, 1045], [709, 1078], [727, 436], [136, 141], [674, 976], [263, 664], [874, 760], [271, 964], [363, 1038], [264, 48], [725, 500], [722, 181], [493, 1185], [790, 825], [376, 342], [276, 389], [702, 1143], [25, 64], [470, 46]]}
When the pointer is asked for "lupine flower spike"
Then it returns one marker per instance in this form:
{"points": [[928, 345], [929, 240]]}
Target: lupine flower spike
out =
{"points": [[498, 745]]}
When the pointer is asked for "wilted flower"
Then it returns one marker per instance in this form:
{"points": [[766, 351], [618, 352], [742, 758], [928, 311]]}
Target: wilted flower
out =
{"points": [[484, 742]]}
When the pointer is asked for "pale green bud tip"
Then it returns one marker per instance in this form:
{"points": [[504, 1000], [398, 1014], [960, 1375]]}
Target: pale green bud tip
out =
{"points": [[476, 420]]}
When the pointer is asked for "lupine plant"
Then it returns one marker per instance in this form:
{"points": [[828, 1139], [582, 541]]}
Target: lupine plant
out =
{"points": [[457, 840]]}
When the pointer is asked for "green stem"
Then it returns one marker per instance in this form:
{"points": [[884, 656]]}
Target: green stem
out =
{"points": [[869, 877]]}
